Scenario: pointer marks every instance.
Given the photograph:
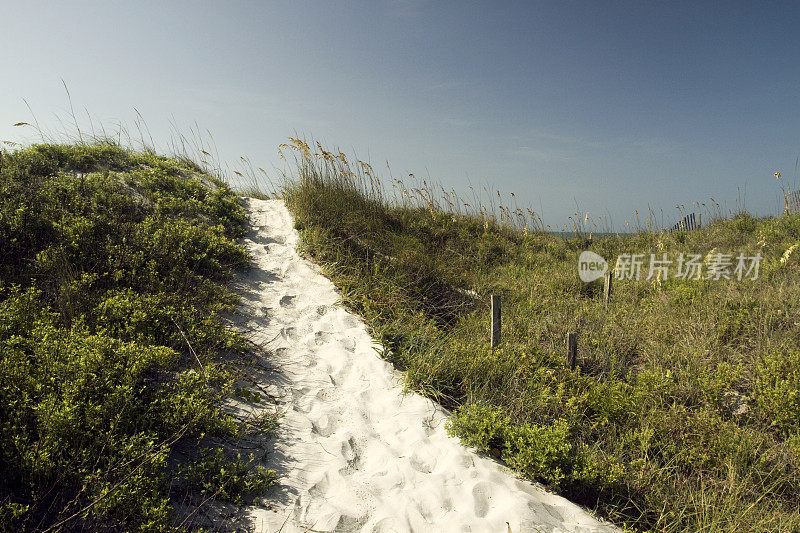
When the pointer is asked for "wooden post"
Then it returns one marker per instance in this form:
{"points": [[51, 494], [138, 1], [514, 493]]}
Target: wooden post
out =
{"points": [[572, 349], [495, 320], [609, 276]]}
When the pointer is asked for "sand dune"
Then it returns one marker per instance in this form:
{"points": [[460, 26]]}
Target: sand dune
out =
{"points": [[353, 452]]}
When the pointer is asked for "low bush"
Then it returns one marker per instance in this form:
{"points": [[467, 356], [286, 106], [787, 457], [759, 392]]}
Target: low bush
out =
{"points": [[112, 296]]}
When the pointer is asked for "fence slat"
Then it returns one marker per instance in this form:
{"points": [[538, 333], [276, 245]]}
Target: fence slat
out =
{"points": [[572, 349]]}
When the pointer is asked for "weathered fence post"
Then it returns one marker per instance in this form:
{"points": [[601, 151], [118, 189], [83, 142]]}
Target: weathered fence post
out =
{"points": [[609, 276], [572, 349], [495, 320]]}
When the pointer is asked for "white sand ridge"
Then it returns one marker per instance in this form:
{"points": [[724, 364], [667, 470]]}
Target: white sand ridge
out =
{"points": [[353, 453]]}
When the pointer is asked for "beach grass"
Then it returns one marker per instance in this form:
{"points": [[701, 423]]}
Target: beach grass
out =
{"points": [[683, 412]]}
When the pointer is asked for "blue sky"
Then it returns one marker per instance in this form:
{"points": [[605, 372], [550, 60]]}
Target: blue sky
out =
{"points": [[605, 107]]}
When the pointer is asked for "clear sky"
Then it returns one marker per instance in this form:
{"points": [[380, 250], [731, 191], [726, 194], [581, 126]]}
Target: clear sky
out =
{"points": [[604, 107]]}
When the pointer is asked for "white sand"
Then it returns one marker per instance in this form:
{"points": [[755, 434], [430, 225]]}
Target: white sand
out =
{"points": [[352, 452]]}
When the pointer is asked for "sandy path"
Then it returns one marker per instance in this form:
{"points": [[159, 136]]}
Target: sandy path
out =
{"points": [[353, 453]]}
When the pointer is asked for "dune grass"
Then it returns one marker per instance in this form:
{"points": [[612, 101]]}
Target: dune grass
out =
{"points": [[113, 339], [684, 410]]}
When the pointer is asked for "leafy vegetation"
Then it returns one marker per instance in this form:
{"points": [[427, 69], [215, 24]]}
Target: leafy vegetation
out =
{"points": [[684, 410], [112, 295]]}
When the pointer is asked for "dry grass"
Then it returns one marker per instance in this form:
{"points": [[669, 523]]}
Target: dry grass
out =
{"points": [[684, 412]]}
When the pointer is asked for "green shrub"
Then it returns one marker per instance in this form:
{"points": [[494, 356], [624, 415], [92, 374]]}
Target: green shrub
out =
{"points": [[234, 481], [112, 293], [778, 390], [480, 426], [539, 452]]}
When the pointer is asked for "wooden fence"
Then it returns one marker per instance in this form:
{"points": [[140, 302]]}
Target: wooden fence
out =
{"points": [[688, 223], [791, 204], [572, 338]]}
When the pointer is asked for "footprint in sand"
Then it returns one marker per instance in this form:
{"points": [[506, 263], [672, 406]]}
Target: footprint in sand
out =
{"points": [[349, 321], [422, 462], [326, 394], [466, 461], [351, 454], [543, 509], [257, 325], [350, 523], [262, 239], [322, 337], [447, 505], [289, 333], [349, 344], [320, 488], [287, 301], [323, 427], [482, 494]]}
